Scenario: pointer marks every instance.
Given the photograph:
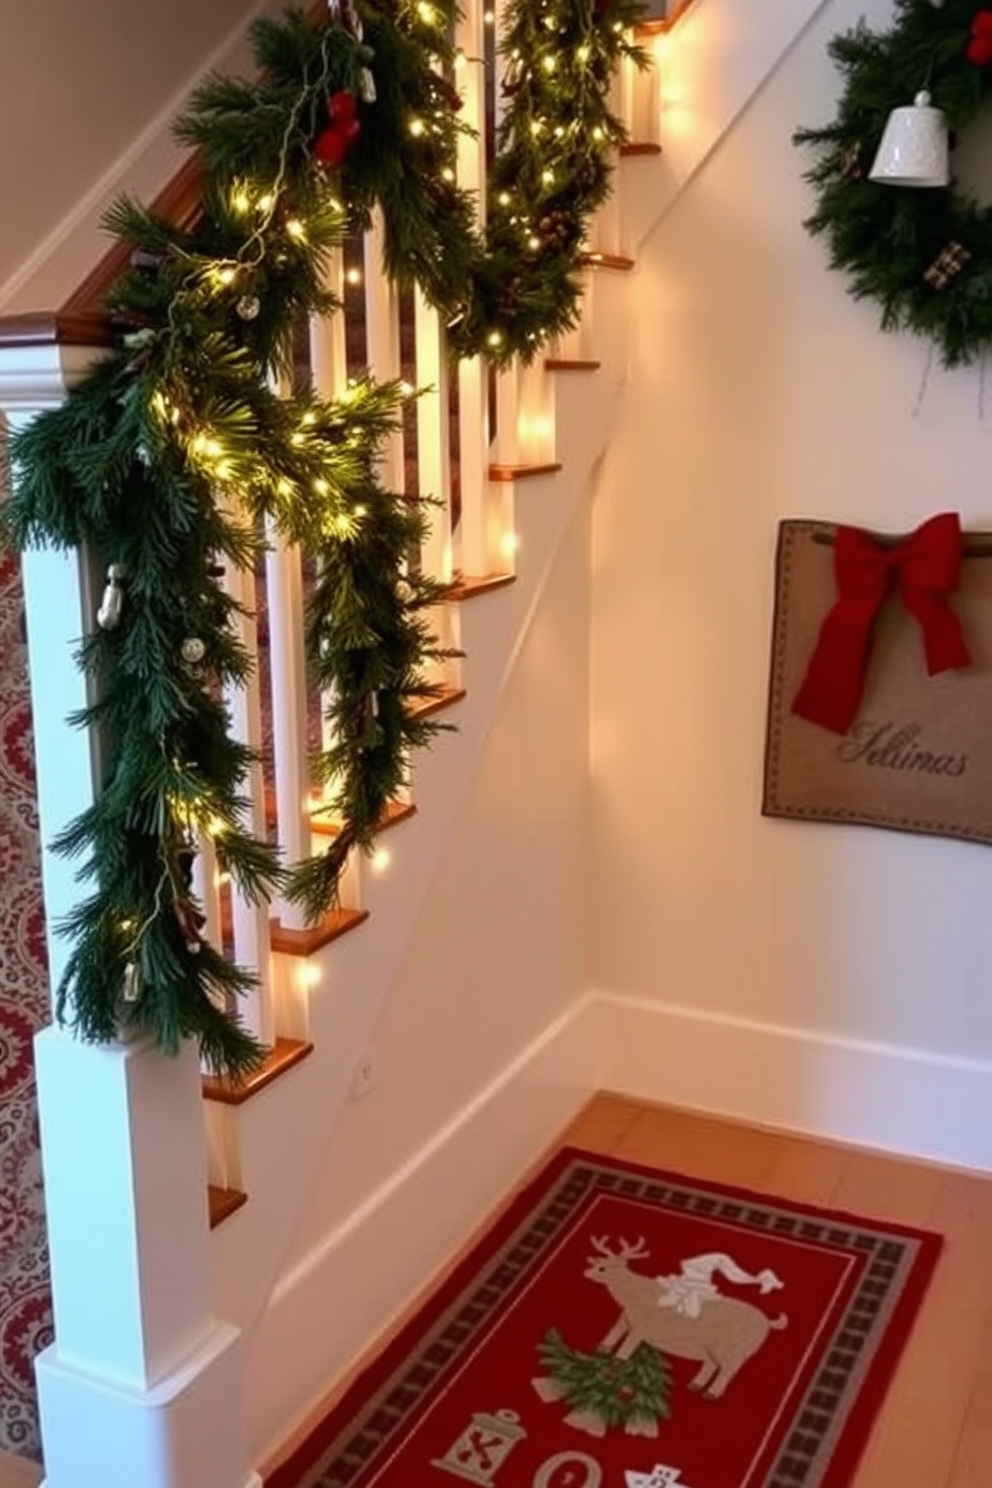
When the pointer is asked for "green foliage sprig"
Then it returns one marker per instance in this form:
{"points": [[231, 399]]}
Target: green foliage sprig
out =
{"points": [[556, 136], [633, 1393], [166, 463], [889, 239]]}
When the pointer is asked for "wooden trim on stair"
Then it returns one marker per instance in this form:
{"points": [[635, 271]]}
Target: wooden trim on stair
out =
{"points": [[521, 472], [332, 926], [663, 23], [82, 320], [639, 147], [469, 588], [223, 1202], [597, 260], [445, 697], [325, 825], [281, 1057], [572, 364]]}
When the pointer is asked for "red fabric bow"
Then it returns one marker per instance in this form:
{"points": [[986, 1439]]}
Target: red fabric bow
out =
{"points": [[928, 566], [979, 49]]}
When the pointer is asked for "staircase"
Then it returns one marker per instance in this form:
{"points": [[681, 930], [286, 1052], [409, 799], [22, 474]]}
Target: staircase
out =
{"points": [[523, 503]]}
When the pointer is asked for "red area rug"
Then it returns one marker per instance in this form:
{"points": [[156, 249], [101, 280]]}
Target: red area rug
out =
{"points": [[621, 1327], [25, 1306]]}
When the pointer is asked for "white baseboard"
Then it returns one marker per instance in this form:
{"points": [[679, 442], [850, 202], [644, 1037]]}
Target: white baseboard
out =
{"points": [[350, 1287], [898, 1099]]}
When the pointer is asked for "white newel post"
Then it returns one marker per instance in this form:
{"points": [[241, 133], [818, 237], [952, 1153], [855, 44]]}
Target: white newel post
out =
{"points": [[142, 1387]]}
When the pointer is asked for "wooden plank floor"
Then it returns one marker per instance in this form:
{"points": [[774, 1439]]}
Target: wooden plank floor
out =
{"points": [[935, 1428]]}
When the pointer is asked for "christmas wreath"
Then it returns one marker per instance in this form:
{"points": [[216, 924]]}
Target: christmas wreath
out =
{"points": [[924, 253]]}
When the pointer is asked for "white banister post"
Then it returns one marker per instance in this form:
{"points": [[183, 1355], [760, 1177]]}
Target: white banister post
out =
{"points": [[140, 1373]]}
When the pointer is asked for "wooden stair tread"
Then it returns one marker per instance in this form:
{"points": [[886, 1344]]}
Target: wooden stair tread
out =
{"points": [[468, 586], [445, 697], [663, 23], [223, 1202], [598, 260], [331, 926], [521, 472], [325, 825], [572, 364], [281, 1057], [640, 147]]}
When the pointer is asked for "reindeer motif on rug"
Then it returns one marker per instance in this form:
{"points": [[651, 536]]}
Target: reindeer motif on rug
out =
{"points": [[683, 1316]]}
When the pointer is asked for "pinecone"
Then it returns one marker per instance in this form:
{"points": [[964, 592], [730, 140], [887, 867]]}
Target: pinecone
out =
{"points": [[554, 229]]}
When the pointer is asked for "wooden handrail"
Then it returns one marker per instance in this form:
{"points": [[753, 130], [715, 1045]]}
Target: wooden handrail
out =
{"points": [[83, 320]]}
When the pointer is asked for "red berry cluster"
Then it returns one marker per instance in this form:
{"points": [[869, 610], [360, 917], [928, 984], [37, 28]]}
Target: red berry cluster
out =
{"points": [[979, 48], [336, 139]]}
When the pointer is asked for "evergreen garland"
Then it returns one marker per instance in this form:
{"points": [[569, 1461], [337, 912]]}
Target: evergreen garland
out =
{"points": [[551, 172], [165, 463], [891, 239], [632, 1393]]}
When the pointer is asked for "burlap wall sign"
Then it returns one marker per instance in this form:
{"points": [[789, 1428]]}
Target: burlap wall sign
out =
{"points": [[887, 643]]}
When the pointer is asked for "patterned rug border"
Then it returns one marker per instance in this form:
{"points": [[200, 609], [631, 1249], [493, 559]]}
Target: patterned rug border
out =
{"points": [[445, 1294]]}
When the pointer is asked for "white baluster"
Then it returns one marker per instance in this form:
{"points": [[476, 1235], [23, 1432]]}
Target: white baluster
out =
{"points": [[328, 356], [206, 889], [525, 415], [433, 455], [329, 372], [433, 448], [605, 236], [251, 921], [475, 553], [287, 669], [382, 331]]}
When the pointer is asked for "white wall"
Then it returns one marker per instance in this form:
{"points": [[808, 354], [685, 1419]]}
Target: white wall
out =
{"points": [[476, 1061], [86, 90], [760, 390]]}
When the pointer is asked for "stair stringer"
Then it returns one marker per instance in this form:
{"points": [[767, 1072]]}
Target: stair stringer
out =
{"points": [[712, 63], [338, 1004]]}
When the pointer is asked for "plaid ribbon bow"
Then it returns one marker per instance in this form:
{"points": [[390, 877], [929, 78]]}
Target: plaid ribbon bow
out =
{"points": [[947, 265]]}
